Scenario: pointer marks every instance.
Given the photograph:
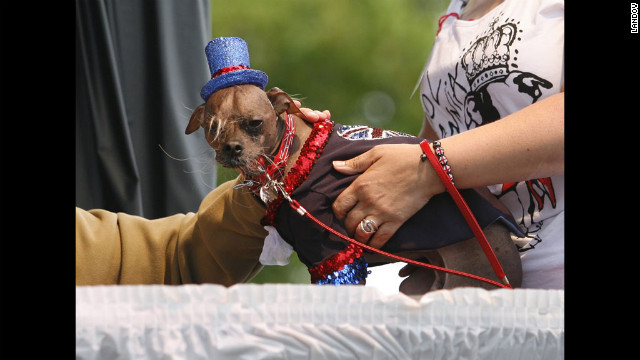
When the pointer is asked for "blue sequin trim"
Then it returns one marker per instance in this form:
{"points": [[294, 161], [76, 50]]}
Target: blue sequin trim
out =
{"points": [[351, 274]]}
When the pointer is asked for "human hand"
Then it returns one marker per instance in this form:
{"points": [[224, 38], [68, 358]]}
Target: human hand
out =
{"points": [[393, 186], [312, 115]]}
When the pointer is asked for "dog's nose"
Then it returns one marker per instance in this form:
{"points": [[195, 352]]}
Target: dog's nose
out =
{"points": [[233, 148]]}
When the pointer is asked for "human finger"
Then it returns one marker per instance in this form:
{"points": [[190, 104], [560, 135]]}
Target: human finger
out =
{"points": [[348, 200], [373, 230], [314, 115], [384, 233], [365, 229], [311, 115], [356, 165], [353, 204], [351, 217]]}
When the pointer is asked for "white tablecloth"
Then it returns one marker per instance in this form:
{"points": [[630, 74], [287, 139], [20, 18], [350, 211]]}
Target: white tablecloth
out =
{"points": [[290, 321]]}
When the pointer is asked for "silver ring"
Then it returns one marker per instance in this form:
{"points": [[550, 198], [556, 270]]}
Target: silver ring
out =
{"points": [[368, 226]]}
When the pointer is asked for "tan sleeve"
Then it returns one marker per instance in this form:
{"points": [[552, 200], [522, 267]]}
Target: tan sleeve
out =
{"points": [[221, 243]]}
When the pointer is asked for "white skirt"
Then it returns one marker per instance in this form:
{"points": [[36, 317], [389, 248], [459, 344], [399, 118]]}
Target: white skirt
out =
{"points": [[291, 321]]}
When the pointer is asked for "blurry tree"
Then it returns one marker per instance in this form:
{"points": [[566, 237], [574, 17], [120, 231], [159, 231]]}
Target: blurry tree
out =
{"points": [[360, 59]]}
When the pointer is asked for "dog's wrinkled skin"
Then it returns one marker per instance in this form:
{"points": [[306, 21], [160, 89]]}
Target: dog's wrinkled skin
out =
{"points": [[243, 122]]}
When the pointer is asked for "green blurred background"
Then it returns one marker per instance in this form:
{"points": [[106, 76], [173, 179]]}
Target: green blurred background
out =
{"points": [[360, 59]]}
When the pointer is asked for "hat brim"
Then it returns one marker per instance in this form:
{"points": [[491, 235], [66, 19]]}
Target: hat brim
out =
{"points": [[238, 77]]}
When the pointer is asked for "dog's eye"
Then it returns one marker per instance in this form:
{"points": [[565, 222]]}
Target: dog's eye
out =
{"points": [[255, 124], [213, 129]]}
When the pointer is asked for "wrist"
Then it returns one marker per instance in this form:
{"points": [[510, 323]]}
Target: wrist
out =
{"points": [[438, 150], [434, 184]]}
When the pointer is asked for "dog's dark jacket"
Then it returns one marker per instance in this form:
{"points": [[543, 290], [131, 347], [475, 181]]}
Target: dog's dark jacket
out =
{"points": [[437, 224]]}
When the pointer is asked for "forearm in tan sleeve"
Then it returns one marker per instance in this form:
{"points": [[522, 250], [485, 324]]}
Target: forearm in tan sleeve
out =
{"points": [[225, 242], [221, 243]]}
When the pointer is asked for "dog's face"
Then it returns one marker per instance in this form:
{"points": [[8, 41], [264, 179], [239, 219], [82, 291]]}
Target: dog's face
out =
{"points": [[241, 124]]}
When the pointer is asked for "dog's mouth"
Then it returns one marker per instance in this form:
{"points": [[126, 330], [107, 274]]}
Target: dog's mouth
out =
{"points": [[232, 163], [249, 167]]}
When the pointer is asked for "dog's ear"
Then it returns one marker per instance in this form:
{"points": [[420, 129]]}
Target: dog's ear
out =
{"points": [[282, 102], [197, 119]]}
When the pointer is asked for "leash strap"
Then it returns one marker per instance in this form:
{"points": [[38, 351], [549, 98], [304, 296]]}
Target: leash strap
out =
{"points": [[466, 212], [303, 212], [475, 227]]}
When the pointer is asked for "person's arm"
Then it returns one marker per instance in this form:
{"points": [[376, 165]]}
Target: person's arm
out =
{"points": [[395, 184], [221, 243]]}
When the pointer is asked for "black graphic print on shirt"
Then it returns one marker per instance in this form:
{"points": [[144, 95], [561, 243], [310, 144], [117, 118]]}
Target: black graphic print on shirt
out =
{"points": [[489, 67]]}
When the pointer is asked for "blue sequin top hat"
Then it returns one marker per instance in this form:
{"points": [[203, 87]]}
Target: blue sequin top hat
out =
{"points": [[228, 59]]}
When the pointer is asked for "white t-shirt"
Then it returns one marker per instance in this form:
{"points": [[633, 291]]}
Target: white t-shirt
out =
{"points": [[482, 70]]}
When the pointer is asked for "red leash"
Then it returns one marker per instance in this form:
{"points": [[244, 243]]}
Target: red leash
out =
{"points": [[303, 212], [466, 212], [462, 205]]}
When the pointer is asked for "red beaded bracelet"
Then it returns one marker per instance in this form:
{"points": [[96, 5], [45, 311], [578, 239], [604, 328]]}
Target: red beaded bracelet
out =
{"points": [[442, 159]]}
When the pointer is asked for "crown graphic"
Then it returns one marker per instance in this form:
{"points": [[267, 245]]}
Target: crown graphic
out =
{"points": [[487, 59]]}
